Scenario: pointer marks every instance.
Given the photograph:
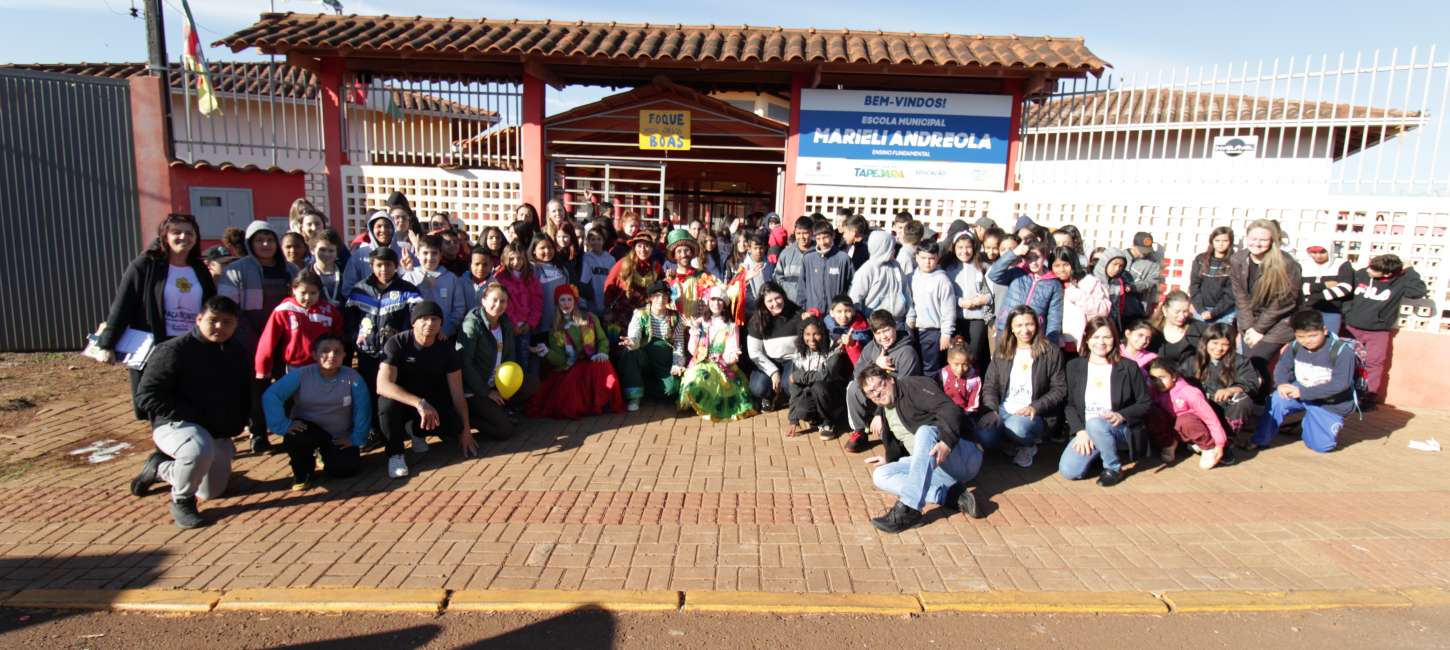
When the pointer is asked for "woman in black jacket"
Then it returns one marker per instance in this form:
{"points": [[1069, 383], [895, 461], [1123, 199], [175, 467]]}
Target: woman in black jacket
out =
{"points": [[1208, 279], [161, 292], [1107, 400], [1023, 389], [1227, 380]]}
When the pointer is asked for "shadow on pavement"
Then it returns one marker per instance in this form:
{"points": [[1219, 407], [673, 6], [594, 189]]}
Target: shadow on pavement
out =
{"points": [[408, 637], [92, 572], [585, 627]]}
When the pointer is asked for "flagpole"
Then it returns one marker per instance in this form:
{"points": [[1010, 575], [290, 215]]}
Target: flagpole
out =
{"points": [[158, 66]]}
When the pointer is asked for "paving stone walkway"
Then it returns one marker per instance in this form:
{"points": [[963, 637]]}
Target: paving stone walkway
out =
{"points": [[650, 501]]}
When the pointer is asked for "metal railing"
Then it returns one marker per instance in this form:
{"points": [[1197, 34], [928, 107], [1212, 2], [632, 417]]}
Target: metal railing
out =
{"points": [[453, 123], [269, 115], [1361, 122]]}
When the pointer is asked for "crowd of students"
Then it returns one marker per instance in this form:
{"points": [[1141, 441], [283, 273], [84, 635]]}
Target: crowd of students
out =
{"points": [[941, 345]]}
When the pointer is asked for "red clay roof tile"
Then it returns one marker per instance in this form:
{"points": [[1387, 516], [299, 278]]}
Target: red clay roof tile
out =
{"points": [[647, 42]]}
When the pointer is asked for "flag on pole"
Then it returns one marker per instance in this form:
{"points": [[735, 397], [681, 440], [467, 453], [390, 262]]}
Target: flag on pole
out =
{"points": [[194, 61]]}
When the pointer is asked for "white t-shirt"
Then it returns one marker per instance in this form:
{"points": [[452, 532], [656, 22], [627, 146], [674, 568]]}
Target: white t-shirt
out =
{"points": [[181, 301], [1019, 383], [1098, 395]]}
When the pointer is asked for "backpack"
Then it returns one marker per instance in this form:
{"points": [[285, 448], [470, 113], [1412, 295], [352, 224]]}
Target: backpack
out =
{"points": [[1359, 376]]}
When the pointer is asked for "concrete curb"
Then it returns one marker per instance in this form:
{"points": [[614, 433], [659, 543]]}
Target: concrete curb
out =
{"points": [[1281, 601], [1041, 602], [490, 600], [796, 603], [335, 600], [144, 600], [435, 601]]}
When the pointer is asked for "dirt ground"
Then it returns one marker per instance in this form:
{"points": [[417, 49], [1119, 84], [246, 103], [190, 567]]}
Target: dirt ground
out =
{"points": [[29, 382], [1387, 628]]}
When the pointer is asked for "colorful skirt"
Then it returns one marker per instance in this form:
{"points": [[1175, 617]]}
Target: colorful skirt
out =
{"points": [[586, 388], [716, 392]]}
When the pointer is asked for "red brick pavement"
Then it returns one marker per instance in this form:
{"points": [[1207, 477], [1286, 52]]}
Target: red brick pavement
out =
{"points": [[646, 501]]}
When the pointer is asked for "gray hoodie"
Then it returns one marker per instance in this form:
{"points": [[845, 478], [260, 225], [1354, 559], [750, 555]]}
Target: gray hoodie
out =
{"points": [[359, 267], [880, 282], [1148, 277], [1122, 291], [242, 282]]}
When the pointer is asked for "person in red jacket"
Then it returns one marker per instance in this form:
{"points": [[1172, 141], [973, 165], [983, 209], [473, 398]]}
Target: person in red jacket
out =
{"points": [[295, 324], [847, 328]]}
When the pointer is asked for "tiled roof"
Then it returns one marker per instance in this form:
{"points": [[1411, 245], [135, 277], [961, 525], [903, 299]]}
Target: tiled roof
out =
{"points": [[717, 44], [1164, 106], [252, 78]]}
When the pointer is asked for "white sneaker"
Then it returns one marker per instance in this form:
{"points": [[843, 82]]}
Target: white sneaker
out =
{"points": [[1024, 456], [632, 406], [1210, 458], [420, 446], [397, 467]]}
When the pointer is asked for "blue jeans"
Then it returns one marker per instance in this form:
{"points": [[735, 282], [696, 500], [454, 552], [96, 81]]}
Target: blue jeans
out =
{"points": [[759, 382], [928, 347], [1332, 321], [917, 479], [1320, 426], [1226, 318], [1019, 431], [1106, 438]]}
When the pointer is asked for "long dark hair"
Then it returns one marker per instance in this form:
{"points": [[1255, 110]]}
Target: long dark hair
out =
{"points": [[1076, 235], [483, 240], [1221, 230], [1066, 254], [762, 320], [976, 260], [1202, 361], [1007, 346], [157, 249]]}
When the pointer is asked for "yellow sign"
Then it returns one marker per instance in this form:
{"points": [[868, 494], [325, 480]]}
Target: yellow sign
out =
{"points": [[664, 130]]}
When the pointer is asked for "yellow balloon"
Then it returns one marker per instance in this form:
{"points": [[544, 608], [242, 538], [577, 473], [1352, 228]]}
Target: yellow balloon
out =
{"points": [[508, 378]]}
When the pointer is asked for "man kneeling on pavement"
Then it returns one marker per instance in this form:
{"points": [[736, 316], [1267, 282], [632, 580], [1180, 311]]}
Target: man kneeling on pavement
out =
{"points": [[196, 391], [926, 459]]}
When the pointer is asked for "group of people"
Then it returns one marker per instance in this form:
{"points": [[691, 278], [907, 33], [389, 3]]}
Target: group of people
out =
{"points": [[940, 345]]}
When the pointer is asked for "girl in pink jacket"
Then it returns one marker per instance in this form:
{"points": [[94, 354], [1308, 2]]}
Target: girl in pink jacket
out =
{"points": [[1189, 418]]}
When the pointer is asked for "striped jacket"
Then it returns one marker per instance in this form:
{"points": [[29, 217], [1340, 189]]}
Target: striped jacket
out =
{"points": [[374, 315]]}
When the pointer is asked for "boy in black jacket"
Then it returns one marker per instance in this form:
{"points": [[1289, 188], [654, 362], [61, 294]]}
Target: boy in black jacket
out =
{"points": [[926, 460], [196, 391], [1374, 310]]}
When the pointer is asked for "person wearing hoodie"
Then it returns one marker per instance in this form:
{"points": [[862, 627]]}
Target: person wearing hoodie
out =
{"points": [[792, 256], [1374, 311], [438, 284], [1147, 270], [194, 391], [1326, 280], [880, 283], [932, 317], [379, 234], [891, 350], [913, 234], [594, 266], [258, 283], [1314, 375], [1112, 272], [294, 325], [1030, 282]]}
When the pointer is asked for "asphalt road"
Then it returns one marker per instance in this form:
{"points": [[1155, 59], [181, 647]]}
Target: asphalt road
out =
{"points": [[1382, 628]]}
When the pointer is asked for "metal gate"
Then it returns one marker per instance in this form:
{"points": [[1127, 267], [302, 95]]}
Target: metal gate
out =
{"points": [[72, 216], [630, 185]]}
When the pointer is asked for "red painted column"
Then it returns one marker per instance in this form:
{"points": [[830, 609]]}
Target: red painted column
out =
{"points": [[1014, 143], [331, 76], [535, 184], [795, 193], [153, 165]]}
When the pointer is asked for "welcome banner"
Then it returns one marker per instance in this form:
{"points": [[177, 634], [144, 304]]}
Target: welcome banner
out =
{"points": [[904, 139]]}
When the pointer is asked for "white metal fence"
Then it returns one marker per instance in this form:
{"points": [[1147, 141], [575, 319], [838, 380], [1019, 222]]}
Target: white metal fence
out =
{"points": [[453, 123], [269, 116], [1360, 122]]}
